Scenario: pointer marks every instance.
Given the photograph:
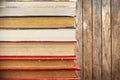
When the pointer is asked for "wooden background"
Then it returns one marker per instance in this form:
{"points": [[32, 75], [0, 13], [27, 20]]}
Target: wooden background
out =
{"points": [[98, 35]]}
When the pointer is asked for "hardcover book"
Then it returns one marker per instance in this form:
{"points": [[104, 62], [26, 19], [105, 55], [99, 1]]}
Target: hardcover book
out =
{"points": [[37, 48], [36, 22], [37, 0], [76, 78], [41, 73], [37, 62], [37, 9], [37, 35]]}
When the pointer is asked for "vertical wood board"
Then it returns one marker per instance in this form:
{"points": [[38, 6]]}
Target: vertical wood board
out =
{"points": [[97, 39]]}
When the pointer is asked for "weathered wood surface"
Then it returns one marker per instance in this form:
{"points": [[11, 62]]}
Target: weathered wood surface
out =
{"points": [[87, 39], [79, 36], [106, 40], [115, 39], [98, 35], [97, 23]]}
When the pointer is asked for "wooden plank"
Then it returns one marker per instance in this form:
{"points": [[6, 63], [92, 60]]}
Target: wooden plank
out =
{"points": [[87, 39], [115, 39], [97, 39], [106, 40], [79, 37]]}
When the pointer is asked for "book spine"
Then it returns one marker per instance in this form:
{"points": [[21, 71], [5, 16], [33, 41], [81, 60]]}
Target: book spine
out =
{"points": [[37, 9], [42, 79], [27, 35], [30, 5], [37, 57], [40, 69]]}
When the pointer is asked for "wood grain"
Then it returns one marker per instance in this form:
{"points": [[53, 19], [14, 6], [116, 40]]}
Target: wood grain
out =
{"points": [[115, 39], [99, 47], [87, 37], [79, 37], [97, 39], [106, 40]]}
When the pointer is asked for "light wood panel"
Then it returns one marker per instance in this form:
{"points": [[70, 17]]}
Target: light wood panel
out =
{"points": [[106, 40], [79, 44]]}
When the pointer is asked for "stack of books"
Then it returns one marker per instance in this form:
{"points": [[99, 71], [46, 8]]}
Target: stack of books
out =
{"points": [[37, 40]]}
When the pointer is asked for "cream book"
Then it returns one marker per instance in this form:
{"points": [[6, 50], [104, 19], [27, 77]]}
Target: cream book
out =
{"points": [[64, 48], [37, 0], [37, 35], [38, 8]]}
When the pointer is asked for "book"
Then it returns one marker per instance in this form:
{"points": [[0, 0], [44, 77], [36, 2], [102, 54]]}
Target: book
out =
{"points": [[37, 62], [36, 0], [43, 73], [37, 35], [36, 22], [76, 78], [37, 48], [37, 9]]}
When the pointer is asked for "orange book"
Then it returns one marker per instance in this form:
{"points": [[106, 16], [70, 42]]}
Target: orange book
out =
{"points": [[39, 73], [36, 62]]}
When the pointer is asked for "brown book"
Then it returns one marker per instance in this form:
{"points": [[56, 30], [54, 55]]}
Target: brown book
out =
{"points": [[58, 73], [37, 22], [37, 48], [38, 62]]}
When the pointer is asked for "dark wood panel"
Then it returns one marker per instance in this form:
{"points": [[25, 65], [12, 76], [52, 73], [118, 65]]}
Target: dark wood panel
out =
{"points": [[115, 39], [106, 40], [97, 26], [87, 39]]}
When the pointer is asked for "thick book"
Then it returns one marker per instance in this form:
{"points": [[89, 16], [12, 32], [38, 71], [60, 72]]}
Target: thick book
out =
{"points": [[37, 9], [36, 62], [37, 48], [37, 35], [40, 73], [36, 22]]}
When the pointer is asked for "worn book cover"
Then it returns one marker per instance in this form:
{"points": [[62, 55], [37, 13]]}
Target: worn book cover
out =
{"points": [[37, 9], [37, 62], [36, 22]]}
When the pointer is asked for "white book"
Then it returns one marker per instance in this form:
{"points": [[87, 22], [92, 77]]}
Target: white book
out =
{"points": [[38, 0], [37, 35], [38, 8]]}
